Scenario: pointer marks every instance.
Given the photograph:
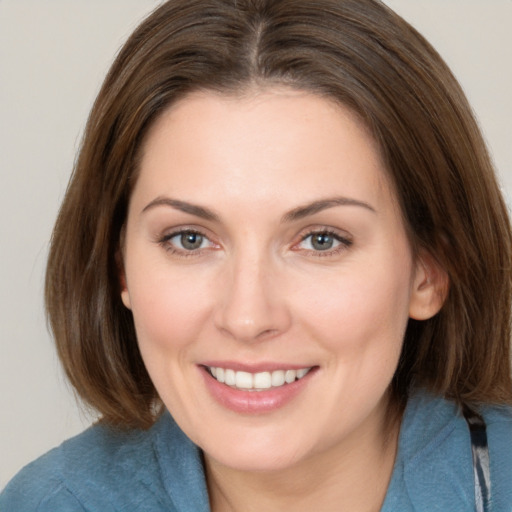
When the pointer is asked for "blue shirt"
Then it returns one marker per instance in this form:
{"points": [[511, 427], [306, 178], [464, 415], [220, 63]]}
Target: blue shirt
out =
{"points": [[105, 470]]}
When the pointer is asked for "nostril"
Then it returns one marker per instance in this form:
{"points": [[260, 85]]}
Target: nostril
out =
{"points": [[251, 308], [267, 333]]}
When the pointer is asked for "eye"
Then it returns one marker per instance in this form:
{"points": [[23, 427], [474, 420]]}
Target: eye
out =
{"points": [[189, 241], [185, 241], [324, 241]]}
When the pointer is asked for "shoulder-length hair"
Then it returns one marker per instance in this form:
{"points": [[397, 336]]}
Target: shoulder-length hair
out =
{"points": [[356, 52]]}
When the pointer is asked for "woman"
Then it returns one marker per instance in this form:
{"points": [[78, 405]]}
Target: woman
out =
{"points": [[281, 273]]}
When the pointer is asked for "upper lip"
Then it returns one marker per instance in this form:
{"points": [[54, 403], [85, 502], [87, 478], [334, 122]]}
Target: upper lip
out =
{"points": [[255, 367]]}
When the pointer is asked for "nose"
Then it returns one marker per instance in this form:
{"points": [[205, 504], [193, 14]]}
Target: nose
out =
{"points": [[252, 303]]}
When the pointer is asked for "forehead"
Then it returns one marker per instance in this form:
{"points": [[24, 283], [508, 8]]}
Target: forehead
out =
{"points": [[250, 144]]}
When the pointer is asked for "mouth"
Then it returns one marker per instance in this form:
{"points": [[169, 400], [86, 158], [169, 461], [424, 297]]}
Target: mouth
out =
{"points": [[265, 389], [258, 381]]}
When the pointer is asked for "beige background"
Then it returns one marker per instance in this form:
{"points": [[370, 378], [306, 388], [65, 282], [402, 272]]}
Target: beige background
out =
{"points": [[53, 56]]}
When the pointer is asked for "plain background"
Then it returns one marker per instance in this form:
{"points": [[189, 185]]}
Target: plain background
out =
{"points": [[53, 57]]}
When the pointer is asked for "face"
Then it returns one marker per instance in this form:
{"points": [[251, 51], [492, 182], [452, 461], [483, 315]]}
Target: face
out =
{"points": [[269, 275]]}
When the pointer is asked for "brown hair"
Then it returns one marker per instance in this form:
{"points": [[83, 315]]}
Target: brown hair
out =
{"points": [[357, 52]]}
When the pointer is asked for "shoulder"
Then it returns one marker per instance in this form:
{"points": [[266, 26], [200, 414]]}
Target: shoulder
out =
{"points": [[38, 487], [101, 469], [499, 438], [436, 452]]}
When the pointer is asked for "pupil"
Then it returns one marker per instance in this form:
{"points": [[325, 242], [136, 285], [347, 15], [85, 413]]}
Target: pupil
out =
{"points": [[191, 241], [322, 242]]}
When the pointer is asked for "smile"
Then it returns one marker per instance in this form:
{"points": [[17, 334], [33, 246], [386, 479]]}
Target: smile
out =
{"points": [[256, 381]]}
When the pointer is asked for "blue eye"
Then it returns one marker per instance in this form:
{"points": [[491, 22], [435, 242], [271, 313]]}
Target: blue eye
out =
{"points": [[323, 241], [190, 241], [187, 241]]}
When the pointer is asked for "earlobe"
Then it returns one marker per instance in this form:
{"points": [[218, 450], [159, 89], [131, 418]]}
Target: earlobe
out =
{"points": [[125, 297], [430, 288], [121, 275]]}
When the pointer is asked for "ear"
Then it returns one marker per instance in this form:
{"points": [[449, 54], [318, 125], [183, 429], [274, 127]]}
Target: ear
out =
{"points": [[430, 287], [121, 276]]}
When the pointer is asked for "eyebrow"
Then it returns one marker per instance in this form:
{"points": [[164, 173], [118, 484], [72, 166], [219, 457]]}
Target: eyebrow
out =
{"points": [[317, 206], [193, 209], [293, 215]]}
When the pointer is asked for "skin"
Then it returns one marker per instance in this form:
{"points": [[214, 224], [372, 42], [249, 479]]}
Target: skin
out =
{"points": [[258, 290]]}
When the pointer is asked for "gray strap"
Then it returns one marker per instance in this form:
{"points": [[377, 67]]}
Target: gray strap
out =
{"points": [[481, 465]]}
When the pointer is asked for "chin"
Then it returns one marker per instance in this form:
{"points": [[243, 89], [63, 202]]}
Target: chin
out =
{"points": [[261, 462], [258, 451]]}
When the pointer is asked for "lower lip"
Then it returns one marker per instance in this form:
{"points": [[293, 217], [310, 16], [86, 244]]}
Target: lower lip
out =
{"points": [[254, 402]]}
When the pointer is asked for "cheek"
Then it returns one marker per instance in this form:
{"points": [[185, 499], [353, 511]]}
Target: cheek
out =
{"points": [[359, 322], [361, 313], [169, 309]]}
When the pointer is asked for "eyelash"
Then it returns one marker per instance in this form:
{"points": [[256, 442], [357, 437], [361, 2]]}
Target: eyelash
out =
{"points": [[164, 241], [344, 242]]}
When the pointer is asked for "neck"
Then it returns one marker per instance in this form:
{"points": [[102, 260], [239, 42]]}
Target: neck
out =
{"points": [[354, 475]]}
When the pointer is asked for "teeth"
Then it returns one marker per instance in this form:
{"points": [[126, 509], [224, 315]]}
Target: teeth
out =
{"points": [[229, 377], [243, 380], [290, 376], [278, 378], [262, 380], [257, 381], [301, 373]]}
